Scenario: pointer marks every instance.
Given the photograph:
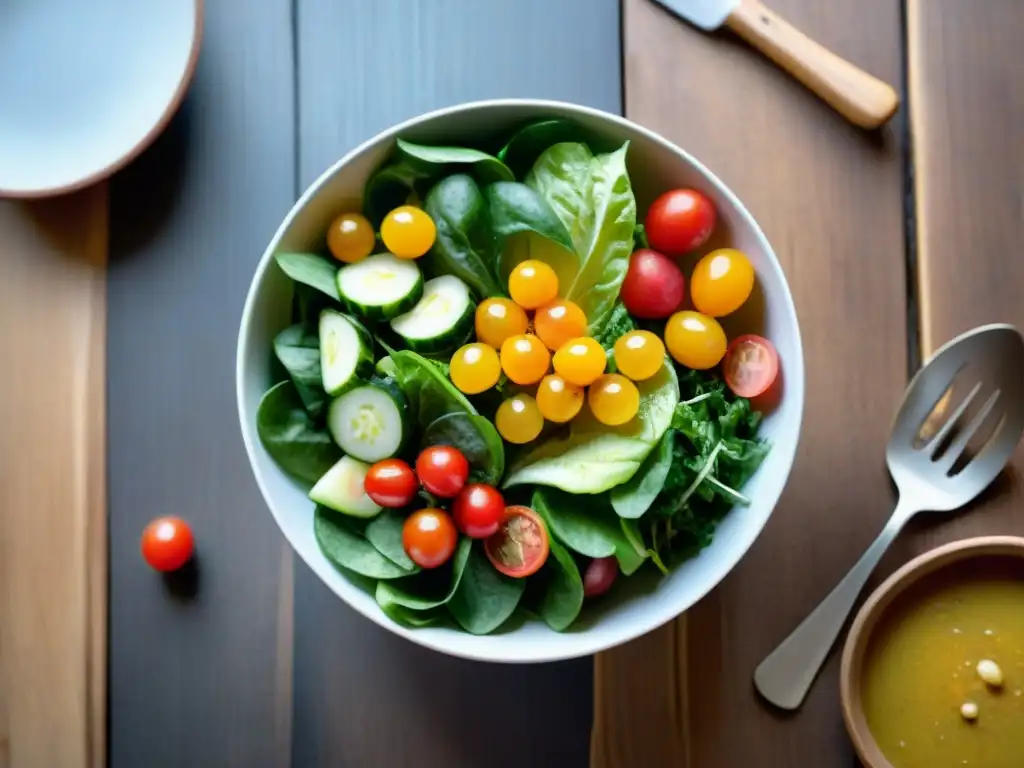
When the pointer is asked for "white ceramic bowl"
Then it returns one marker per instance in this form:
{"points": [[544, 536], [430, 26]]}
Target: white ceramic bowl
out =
{"points": [[641, 602]]}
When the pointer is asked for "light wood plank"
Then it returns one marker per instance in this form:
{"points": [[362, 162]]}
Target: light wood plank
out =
{"points": [[967, 118], [53, 586], [829, 197]]}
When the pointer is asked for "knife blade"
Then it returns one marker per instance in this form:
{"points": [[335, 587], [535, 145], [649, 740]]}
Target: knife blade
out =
{"points": [[860, 97]]}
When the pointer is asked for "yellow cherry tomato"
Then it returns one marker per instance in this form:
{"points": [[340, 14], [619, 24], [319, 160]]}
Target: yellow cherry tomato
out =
{"points": [[639, 355], [524, 359], [613, 399], [721, 282], [475, 368], [498, 319], [558, 322], [695, 340], [518, 419], [350, 238], [558, 400], [532, 284], [580, 361], [408, 232]]}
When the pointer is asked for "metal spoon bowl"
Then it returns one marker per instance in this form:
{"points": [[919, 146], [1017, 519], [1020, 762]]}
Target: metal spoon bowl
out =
{"points": [[930, 460]]}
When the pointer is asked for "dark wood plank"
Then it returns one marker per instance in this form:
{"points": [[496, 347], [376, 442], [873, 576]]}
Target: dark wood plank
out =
{"points": [[201, 680], [967, 119], [362, 695], [830, 200]]}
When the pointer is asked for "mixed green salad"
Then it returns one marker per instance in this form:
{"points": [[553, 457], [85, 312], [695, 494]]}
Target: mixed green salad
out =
{"points": [[498, 390]]}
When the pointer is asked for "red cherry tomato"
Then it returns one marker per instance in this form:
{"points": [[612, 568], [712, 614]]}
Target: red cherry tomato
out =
{"points": [[599, 576], [654, 286], [429, 537], [520, 546], [679, 221], [750, 365], [167, 543], [442, 470], [391, 483], [478, 510]]}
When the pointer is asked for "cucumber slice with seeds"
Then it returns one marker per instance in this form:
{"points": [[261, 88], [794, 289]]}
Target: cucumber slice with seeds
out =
{"points": [[441, 320], [380, 287], [370, 422], [346, 352], [341, 489]]}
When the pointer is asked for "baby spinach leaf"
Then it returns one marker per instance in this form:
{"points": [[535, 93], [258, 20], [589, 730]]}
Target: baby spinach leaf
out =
{"points": [[407, 616], [465, 244], [558, 588], [574, 523], [312, 270], [294, 441], [593, 198], [347, 550], [594, 457], [427, 389], [390, 186], [476, 438], [437, 161], [522, 150], [429, 589], [635, 496], [385, 533], [298, 349], [485, 598]]}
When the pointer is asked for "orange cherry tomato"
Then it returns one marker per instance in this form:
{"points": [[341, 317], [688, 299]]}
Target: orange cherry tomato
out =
{"points": [[524, 359], [558, 322], [350, 238], [532, 284], [580, 361], [429, 537], [498, 319]]}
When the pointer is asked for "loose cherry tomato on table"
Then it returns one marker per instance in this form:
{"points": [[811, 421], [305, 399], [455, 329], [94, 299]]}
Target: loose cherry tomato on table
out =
{"points": [[519, 419], [429, 537], [679, 221], [695, 340], [654, 286], [639, 355], [350, 238], [520, 546], [478, 510], [391, 483], [558, 400], [167, 543], [443, 470], [532, 284], [751, 365], [721, 282], [499, 319], [613, 399], [580, 361], [524, 359], [475, 368], [408, 232], [558, 322], [600, 575]]}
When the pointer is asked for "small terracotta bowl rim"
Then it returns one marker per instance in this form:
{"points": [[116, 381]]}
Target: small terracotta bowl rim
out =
{"points": [[874, 608]]}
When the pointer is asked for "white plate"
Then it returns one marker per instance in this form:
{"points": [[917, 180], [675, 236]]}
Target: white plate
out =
{"points": [[85, 85]]}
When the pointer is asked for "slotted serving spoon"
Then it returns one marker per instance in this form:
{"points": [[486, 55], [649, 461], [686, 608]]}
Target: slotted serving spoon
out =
{"points": [[932, 473]]}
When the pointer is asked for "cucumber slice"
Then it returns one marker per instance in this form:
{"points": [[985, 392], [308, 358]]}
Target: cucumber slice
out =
{"points": [[440, 320], [380, 286], [341, 489], [369, 422], [346, 352]]}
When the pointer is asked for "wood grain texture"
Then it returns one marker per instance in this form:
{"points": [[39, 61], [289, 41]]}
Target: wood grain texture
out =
{"points": [[967, 123], [200, 666], [829, 198], [53, 574], [388, 61]]}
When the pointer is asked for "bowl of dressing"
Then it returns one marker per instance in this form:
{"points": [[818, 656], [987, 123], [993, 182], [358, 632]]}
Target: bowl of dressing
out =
{"points": [[933, 667]]}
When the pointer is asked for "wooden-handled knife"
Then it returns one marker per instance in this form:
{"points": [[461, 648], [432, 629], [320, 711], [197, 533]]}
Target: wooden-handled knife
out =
{"points": [[861, 98]]}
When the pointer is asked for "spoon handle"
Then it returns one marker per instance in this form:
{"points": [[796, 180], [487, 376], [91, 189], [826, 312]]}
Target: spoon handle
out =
{"points": [[785, 676]]}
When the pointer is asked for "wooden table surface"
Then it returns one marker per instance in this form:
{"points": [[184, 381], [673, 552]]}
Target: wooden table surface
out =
{"points": [[892, 241]]}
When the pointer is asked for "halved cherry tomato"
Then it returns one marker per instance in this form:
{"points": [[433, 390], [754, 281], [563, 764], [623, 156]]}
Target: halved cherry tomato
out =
{"points": [[679, 221], [442, 470], [520, 546], [478, 510], [391, 483], [600, 575], [429, 537], [167, 543], [751, 365]]}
